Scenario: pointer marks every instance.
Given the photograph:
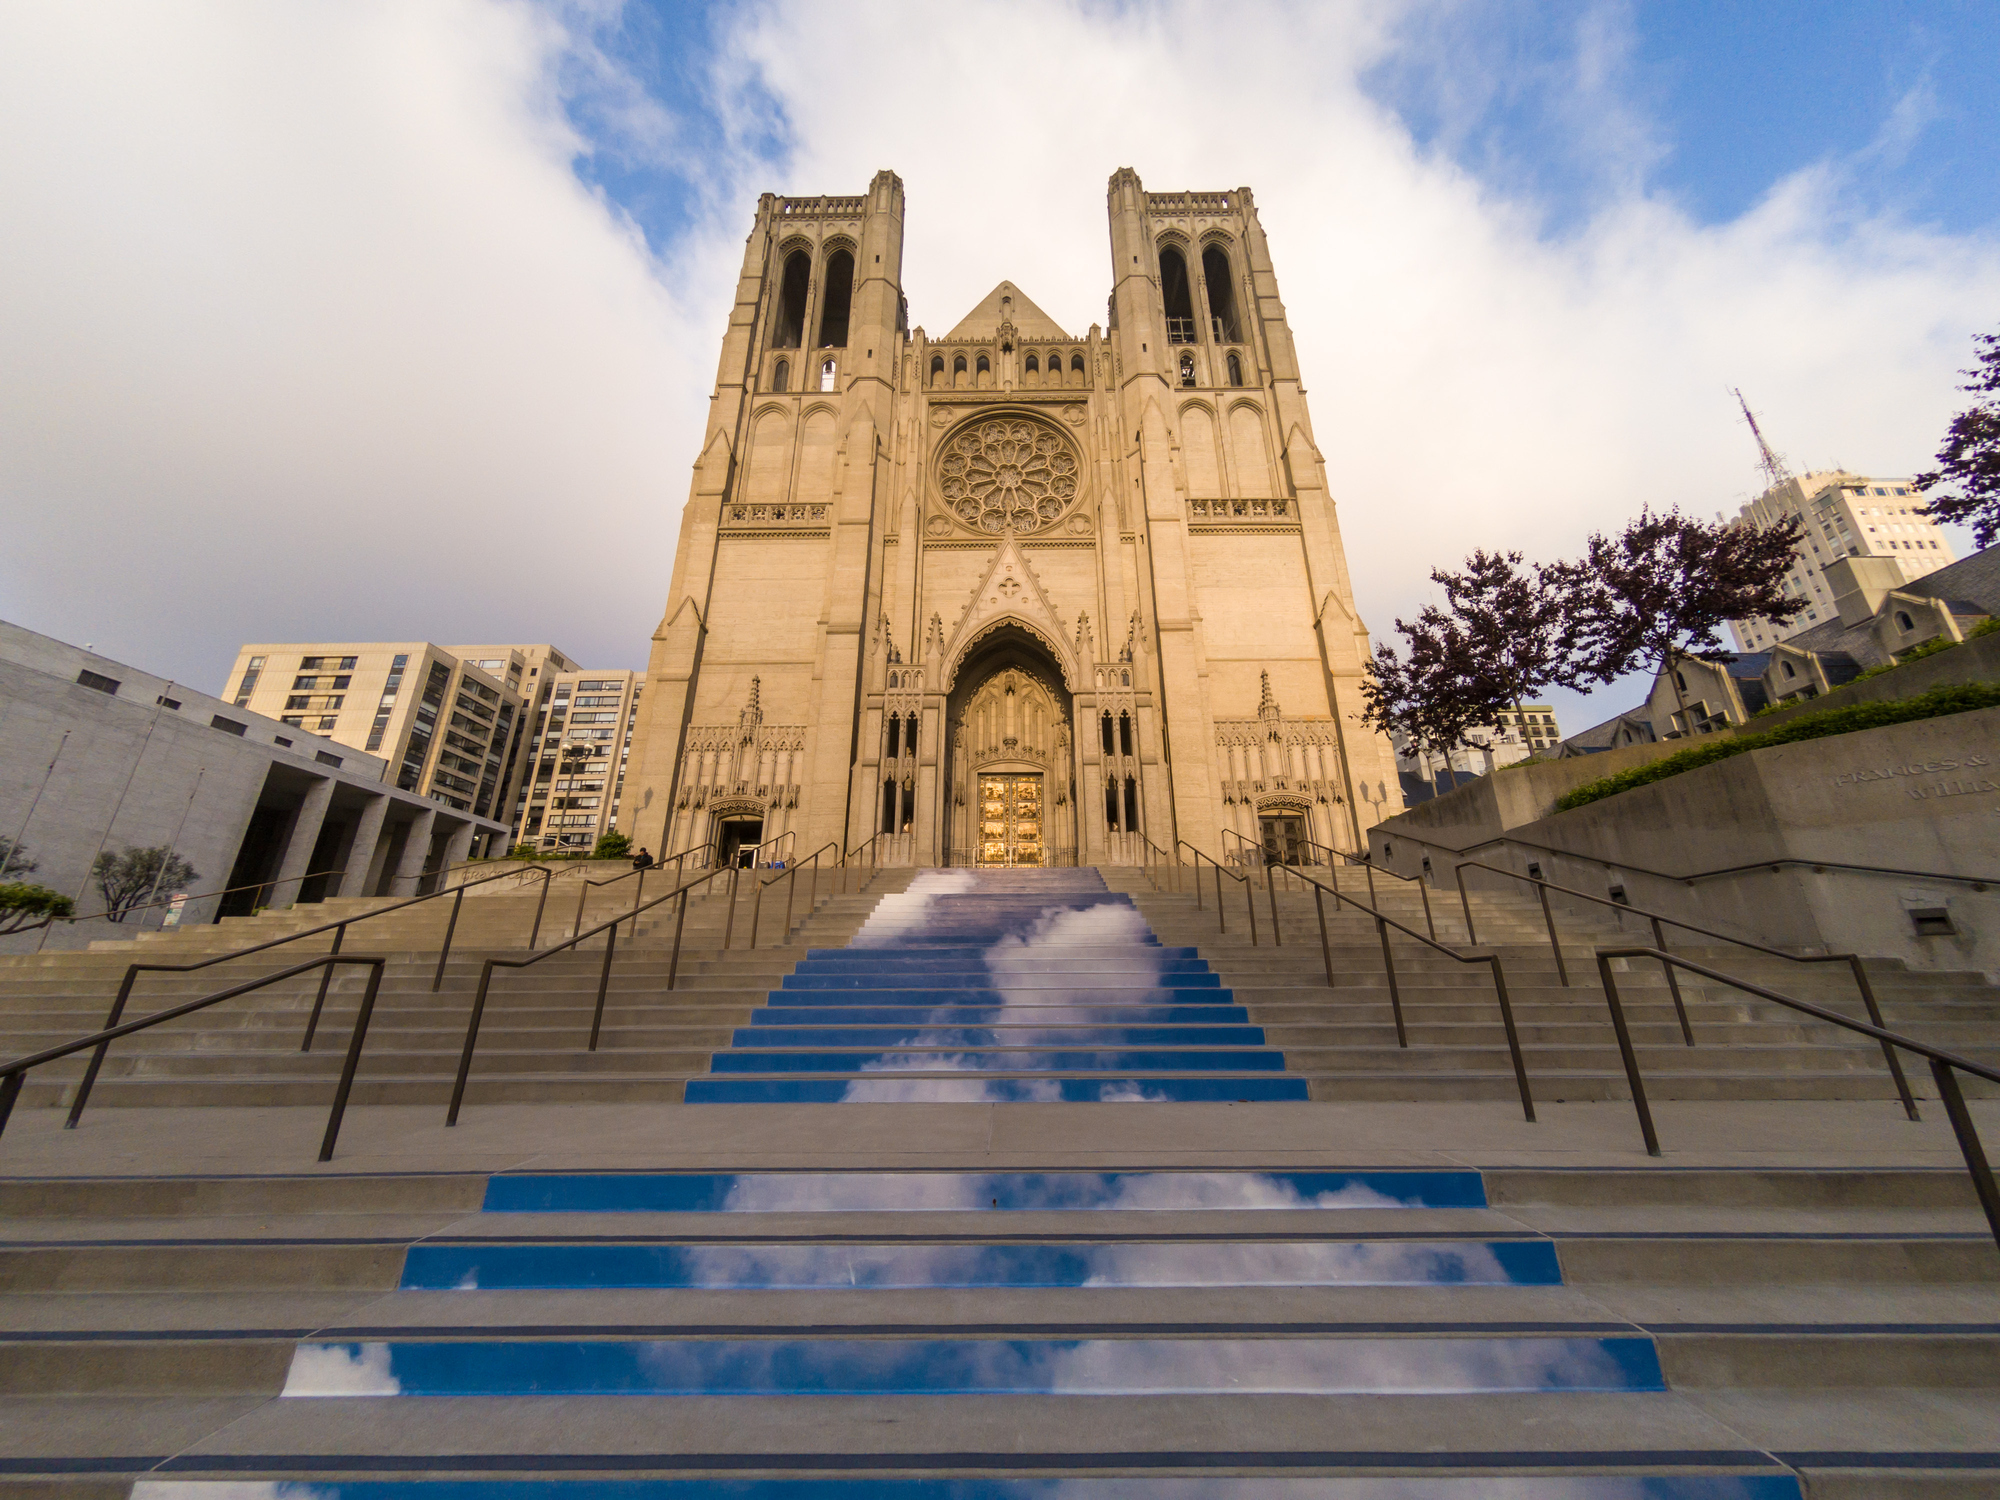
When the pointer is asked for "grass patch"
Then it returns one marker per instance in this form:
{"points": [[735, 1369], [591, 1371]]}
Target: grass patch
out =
{"points": [[1958, 698]]}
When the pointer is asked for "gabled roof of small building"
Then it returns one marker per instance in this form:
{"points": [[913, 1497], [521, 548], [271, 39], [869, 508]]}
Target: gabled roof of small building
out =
{"points": [[983, 322], [1600, 736]]}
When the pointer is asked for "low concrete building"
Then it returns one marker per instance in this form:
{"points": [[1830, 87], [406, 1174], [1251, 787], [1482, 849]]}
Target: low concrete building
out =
{"points": [[97, 756]]}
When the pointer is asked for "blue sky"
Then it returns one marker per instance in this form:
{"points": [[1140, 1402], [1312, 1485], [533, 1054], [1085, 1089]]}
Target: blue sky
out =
{"points": [[276, 280]]}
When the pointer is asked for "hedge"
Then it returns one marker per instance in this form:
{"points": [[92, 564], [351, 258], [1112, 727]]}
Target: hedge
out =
{"points": [[1958, 698]]}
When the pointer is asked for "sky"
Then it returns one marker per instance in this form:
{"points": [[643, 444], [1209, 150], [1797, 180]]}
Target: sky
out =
{"points": [[397, 320]]}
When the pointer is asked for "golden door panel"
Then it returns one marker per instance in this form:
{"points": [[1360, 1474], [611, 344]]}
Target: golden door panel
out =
{"points": [[1010, 820]]}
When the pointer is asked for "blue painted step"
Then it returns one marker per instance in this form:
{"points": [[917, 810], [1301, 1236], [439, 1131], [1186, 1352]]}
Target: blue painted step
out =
{"points": [[487, 1265], [938, 1367], [904, 1192], [894, 1088], [1031, 1035]]}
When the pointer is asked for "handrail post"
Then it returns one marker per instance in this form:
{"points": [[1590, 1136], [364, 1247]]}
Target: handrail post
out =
{"points": [[1674, 988], [1631, 1057], [437, 979], [354, 1046], [604, 983], [10, 1090], [756, 905], [1249, 905], [1968, 1143], [97, 1053], [535, 935], [471, 1040], [1888, 1052], [1368, 868], [1430, 925], [1325, 947], [1471, 936], [1513, 1038], [638, 900], [729, 926], [680, 920], [1562, 969], [1271, 889], [325, 978], [791, 895], [1221, 918], [582, 893], [1395, 990]]}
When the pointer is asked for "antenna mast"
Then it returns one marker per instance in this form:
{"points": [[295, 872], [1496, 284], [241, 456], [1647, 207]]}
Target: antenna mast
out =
{"points": [[1775, 472]]}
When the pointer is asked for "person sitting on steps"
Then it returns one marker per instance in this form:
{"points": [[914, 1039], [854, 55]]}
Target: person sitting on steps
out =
{"points": [[643, 860]]}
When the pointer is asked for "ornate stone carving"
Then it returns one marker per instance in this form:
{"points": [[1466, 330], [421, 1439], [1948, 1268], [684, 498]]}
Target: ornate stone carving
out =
{"points": [[1007, 473]]}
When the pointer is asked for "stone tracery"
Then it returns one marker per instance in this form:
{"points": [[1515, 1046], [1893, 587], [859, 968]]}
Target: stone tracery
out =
{"points": [[1007, 473]]}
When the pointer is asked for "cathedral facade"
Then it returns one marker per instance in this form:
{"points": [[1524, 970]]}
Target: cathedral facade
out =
{"points": [[1013, 595]]}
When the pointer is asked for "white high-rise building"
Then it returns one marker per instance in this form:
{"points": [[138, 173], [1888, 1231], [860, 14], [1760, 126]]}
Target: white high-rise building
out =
{"points": [[1842, 515]]}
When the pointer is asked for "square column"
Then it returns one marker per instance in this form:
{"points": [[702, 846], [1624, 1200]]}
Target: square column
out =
{"points": [[361, 852], [416, 845], [297, 863], [459, 846]]}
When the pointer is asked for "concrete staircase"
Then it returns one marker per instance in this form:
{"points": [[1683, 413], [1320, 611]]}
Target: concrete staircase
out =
{"points": [[1342, 1036], [1397, 1290]]}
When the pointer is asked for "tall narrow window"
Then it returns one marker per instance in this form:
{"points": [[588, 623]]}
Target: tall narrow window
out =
{"points": [[1222, 318], [1111, 805], [1187, 369], [1076, 363], [1180, 303], [1235, 370], [984, 365], [791, 328], [958, 365], [1033, 366], [1124, 734], [826, 373], [1131, 805], [895, 736], [889, 805], [839, 292], [1106, 723], [937, 368], [910, 735], [781, 377]]}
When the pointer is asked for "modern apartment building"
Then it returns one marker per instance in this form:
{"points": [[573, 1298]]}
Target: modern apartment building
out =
{"points": [[1534, 724], [450, 720], [579, 744], [1842, 515]]}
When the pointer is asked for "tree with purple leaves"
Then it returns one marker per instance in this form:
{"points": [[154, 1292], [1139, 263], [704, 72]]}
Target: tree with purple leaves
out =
{"points": [[1660, 591], [1970, 457]]}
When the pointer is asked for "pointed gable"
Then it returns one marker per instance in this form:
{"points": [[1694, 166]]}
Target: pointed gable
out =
{"points": [[1010, 594], [1007, 302]]}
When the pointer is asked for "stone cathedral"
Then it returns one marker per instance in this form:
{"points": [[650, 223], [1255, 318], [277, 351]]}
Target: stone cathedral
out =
{"points": [[1012, 595]]}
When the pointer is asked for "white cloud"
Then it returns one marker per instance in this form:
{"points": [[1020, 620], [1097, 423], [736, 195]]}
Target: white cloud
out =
{"points": [[313, 333]]}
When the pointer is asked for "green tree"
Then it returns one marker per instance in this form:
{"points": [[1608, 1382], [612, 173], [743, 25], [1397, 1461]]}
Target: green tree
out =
{"points": [[611, 845], [1970, 457], [24, 905], [131, 878]]}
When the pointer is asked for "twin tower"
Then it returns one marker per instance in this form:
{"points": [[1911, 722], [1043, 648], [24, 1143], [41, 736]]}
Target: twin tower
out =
{"points": [[1013, 595]]}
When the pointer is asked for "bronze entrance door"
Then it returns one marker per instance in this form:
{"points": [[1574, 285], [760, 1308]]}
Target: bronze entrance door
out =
{"points": [[1284, 840], [1010, 820]]}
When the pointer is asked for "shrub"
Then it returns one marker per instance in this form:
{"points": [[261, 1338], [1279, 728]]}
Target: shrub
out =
{"points": [[611, 845], [1957, 698]]}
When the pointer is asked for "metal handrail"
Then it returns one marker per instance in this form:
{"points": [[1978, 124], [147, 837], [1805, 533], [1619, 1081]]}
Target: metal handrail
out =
{"points": [[776, 838], [339, 931], [1423, 888], [14, 1074], [1382, 926], [229, 890], [1817, 866], [1942, 1063], [1163, 857], [1852, 960], [1249, 901], [811, 862], [610, 928]]}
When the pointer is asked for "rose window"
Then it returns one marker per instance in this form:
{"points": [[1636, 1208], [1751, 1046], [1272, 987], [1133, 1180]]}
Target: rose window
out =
{"points": [[1007, 474]]}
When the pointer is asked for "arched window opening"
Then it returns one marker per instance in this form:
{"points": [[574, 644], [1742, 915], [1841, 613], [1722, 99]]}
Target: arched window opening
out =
{"points": [[1033, 366], [826, 372], [937, 367], [1680, 682], [1131, 805], [984, 366], [1903, 620], [1111, 806], [895, 736], [839, 293], [1235, 370], [1174, 289], [889, 790], [1126, 679], [1789, 672], [910, 735], [1124, 734], [1105, 723], [792, 301], [1221, 296], [781, 377], [958, 365], [1187, 369], [1076, 363]]}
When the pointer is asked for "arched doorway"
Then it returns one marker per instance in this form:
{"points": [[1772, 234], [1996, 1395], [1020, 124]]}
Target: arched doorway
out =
{"points": [[1010, 798]]}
